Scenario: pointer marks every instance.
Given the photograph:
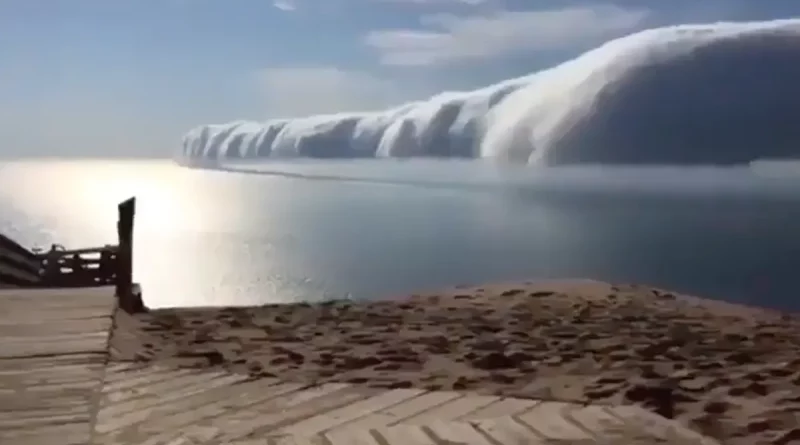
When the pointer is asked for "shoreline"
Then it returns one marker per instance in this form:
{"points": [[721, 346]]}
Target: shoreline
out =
{"points": [[728, 371]]}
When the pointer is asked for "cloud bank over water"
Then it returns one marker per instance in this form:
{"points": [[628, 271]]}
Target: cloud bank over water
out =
{"points": [[723, 93]]}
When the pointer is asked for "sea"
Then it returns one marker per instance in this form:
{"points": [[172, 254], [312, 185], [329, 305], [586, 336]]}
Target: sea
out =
{"points": [[310, 230]]}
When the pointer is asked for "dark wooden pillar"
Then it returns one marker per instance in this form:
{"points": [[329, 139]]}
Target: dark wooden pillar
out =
{"points": [[127, 300]]}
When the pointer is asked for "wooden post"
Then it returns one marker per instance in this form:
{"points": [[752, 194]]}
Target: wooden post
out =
{"points": [[127, 300]]}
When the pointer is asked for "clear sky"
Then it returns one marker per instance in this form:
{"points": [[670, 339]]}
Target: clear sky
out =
{"points": [[129, 77]]}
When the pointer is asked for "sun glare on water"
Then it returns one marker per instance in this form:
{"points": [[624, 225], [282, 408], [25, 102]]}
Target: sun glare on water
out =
{"points": [[84, 194]]}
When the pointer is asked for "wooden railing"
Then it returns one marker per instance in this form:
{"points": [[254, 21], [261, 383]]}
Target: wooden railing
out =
{"points": [[86, 267], [19, 267], [94, 266]]}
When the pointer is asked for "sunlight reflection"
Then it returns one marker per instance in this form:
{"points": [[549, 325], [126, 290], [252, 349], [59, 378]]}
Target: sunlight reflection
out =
{"points": [[209, 238], [182, 215], [85, 194]]}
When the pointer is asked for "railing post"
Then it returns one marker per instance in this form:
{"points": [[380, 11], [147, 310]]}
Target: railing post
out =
{"points": [[124, 283]]}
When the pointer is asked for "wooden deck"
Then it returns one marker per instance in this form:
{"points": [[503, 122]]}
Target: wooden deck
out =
{"points": [[161, 406], [57, 386], [52, 360]]}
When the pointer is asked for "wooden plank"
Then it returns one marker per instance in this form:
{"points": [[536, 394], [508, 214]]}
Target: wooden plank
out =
{"points": [[63, 434], [46, 302], [55, 336], [23, 350], [63, 404], [196, 434], [229, 415], [597, 419], [44, 419], [54, 315], [295, 407], [549, 419], [503, 407], [454, 409], [179, 383], [59, 400], [114, 417], [354, 411], [27, 363], [351, 436], [45, 294], [294, 440], [51, 367], [119, 384], [648, 424], [50, 296], [505, 430], [36, 387], [404, 435], [96, 324], [455, 433], [192, 397], [53, 371], [398, 413], [122, 370]]}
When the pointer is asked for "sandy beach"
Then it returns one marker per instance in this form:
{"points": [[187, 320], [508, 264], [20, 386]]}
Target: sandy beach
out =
{"points": [[730, 372]]}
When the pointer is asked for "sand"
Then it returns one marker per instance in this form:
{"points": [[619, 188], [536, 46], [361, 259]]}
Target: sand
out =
{"points": [[730, 372]]}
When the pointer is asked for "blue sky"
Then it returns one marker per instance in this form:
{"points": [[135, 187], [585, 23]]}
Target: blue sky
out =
{"points": [[129, 77]]}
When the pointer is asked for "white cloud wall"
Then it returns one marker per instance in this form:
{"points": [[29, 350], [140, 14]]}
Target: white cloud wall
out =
{"points": [[716, 93]]}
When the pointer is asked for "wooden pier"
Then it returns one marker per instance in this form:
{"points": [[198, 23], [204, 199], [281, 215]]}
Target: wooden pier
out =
{"points": [[61, 383]]}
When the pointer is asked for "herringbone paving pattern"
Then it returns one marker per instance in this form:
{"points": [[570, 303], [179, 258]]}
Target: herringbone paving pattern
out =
{"points": [[154, 406]]}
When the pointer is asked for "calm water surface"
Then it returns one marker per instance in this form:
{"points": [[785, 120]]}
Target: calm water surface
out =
{"points": [[315, 230]]}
